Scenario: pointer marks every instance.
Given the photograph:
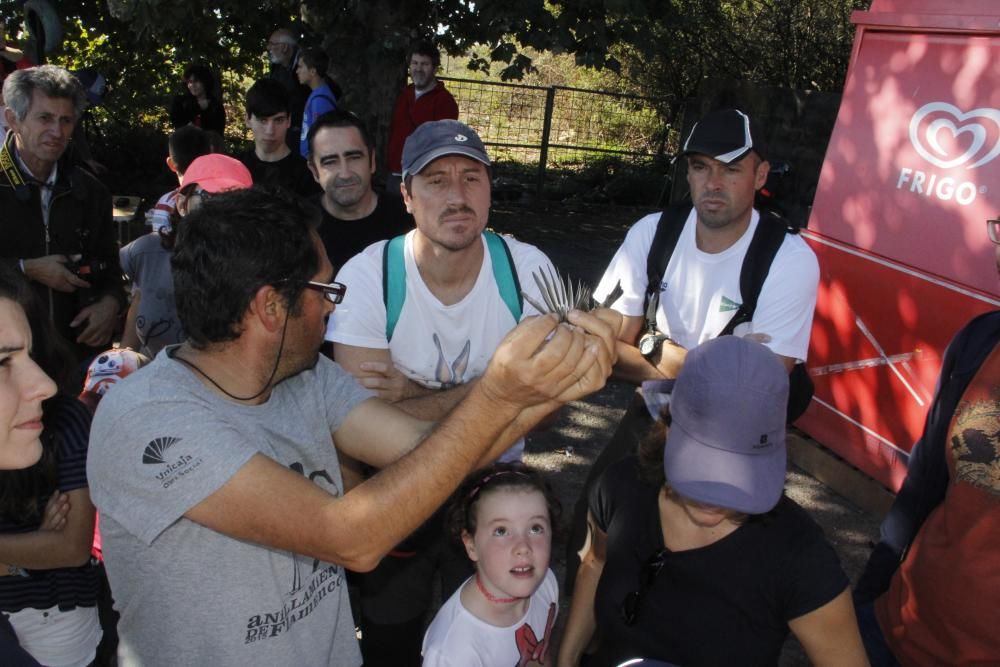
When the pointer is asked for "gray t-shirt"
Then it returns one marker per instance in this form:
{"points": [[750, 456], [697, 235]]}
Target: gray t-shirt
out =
{"points": [[160, 444], [147, 263]]}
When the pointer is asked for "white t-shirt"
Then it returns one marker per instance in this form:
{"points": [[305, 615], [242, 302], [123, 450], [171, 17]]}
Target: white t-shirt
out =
{"points": [[433, 344], [700, 291], [456, 638]]}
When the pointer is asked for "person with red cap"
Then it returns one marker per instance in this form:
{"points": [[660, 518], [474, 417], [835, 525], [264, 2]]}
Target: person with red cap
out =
{"points": [[152, 321]]}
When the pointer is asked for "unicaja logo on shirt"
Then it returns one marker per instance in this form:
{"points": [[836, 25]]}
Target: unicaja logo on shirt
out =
{"points": [[156, 450], [173, 466], [949, 138]]}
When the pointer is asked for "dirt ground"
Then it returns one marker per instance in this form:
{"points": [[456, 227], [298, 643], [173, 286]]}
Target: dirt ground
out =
{"points": [[580, 240]]}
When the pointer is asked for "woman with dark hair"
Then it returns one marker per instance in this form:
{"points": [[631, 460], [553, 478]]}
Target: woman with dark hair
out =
{"points": [[199, 104], [23, 385], [48, 587], [312, 71], [695, 556]]}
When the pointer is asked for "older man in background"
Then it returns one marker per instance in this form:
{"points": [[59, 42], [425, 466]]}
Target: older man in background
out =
{"points": [[56, 225]]}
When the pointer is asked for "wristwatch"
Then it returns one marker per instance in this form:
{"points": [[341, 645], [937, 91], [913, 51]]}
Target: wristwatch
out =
{"points": [[650, 344]]}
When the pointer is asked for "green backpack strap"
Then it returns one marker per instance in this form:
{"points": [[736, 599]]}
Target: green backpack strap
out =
{"points": [[394, 278], [393, 282], [504, 274]]}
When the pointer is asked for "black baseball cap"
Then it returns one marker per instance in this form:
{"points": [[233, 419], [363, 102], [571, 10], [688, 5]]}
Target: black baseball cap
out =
{"points": [[727, 136]]}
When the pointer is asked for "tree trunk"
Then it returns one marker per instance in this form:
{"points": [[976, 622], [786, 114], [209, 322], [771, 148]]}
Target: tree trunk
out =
{"points": [[368, 58]]}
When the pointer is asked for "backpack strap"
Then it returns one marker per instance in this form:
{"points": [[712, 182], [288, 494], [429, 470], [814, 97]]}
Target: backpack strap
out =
{"points": [[767, 239], [668, 232], [504, 274], [393, 282], [394, 278]]}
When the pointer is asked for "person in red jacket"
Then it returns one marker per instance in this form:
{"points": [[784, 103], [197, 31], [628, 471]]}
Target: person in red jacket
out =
{"points": [[423, 100]]}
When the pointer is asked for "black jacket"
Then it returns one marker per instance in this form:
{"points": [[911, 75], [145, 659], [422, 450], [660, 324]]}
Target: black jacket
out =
{"points": [[80, 223]]}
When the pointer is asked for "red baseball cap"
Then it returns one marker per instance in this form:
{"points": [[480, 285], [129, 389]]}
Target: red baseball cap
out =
{"points": [[216, 172]]}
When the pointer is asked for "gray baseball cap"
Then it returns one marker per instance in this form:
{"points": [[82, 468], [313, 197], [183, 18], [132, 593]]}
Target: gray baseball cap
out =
{"points": [[726, 443], [438, 138]]}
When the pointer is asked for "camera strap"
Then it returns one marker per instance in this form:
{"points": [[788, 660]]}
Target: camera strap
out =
{"points": [[9, 167]]}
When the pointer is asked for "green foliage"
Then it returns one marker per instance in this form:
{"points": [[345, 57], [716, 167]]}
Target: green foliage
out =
{"points": [[656, 48], [802, 44]]}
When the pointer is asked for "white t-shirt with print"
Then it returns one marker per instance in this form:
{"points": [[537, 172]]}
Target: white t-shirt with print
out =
{"points": [[433, 344], [456, 638]]}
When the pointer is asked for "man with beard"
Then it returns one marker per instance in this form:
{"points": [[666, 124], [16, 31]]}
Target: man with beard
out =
{"points": [[451, 319], [699, 291], [342, 160], [423, 100], [225, 519]]}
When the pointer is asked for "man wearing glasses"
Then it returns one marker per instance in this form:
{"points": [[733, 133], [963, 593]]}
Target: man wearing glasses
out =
{"points": [[283, 54], [225, 519], [55, 219], [941, 537]]}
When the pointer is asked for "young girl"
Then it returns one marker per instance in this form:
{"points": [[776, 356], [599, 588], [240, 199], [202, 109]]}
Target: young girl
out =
{"points": [[502, 615]]}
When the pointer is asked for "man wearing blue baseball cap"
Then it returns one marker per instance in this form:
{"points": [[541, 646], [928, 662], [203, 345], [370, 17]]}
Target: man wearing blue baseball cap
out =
{"points": [[423, 316]]}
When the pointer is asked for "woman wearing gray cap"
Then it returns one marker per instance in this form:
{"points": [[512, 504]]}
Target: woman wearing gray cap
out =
{"points": [[695, 555]]}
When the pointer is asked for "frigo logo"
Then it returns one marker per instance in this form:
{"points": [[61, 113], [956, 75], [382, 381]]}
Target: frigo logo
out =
{"points": [[951, 139]]}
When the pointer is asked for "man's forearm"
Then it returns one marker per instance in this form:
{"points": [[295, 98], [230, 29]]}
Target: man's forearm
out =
{"points": [[634, 368], [433, 404], [389, 506]]}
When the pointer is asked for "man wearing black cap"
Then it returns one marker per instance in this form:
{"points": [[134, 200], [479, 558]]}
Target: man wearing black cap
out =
{"points": [[699, 293], [700, 289], [425, 353]]}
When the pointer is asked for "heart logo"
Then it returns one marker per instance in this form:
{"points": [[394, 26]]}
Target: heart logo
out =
{"points": [[947, 137]]}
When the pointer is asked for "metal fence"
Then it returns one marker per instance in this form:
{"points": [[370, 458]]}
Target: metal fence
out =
{"points": [[561, 127]]}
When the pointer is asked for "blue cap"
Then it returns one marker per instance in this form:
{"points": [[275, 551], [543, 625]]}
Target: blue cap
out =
{"points": [[438, 138], [726, 443]]}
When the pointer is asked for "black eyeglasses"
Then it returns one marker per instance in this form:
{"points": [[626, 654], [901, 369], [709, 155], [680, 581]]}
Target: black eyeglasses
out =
{"points": [[633, 601], [993, 227], [333, 291]]}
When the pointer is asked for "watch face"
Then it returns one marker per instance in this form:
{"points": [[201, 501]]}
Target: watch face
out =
{"points": [[648, 344]]}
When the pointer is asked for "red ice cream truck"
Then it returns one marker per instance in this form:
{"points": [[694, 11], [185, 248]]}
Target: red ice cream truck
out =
{"points": [[899, 222]]}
